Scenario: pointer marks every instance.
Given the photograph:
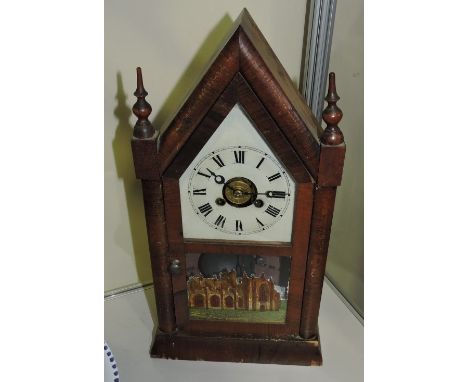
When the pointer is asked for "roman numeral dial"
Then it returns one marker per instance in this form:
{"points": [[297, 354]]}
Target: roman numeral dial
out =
{"points": [[274, 177], [217, 159], [239, 156], [206, 209], [273, 211], [220, 221], [238, 193]]}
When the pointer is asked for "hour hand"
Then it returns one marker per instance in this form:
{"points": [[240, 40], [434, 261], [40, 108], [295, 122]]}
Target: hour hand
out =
{"points": [[219, 179]]}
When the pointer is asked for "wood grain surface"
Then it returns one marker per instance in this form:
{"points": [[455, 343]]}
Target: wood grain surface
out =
{"points": [[244, 70]]}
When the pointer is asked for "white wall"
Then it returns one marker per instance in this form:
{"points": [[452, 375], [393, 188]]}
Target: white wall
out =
{"points": [[345, 266], [171, 41]]}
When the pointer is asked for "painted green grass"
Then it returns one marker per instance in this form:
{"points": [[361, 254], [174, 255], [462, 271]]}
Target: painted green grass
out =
{"points": [[270, 316]]}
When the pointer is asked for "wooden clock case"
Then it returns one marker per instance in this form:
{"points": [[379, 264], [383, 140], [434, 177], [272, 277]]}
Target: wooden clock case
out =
{"points": [[247, 72]]}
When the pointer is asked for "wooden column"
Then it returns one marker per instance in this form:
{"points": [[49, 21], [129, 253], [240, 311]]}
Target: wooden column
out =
{"points": [[144, 148], [332, 152]]}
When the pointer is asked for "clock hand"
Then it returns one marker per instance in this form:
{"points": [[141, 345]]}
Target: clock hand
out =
{"points": [[275, 194], [219, 179], [268, 194]]}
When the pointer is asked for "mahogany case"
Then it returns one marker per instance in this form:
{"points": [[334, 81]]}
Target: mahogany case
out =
{"points": [[247, 72]]}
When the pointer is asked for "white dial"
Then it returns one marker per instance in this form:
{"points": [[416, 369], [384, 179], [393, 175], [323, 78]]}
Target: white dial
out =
{"points": [[239, 190], [237, 165]]}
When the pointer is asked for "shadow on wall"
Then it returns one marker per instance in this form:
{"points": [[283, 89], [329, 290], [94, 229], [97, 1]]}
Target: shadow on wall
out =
{"points": [[132, 187], [193, 72], [122, 147]]}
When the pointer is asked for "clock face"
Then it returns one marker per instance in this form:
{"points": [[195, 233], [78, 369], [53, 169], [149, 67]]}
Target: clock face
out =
{"points": [[239, 190], [236, 188]]}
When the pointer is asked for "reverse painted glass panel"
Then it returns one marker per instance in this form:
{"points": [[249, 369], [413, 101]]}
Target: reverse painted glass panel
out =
{"points": [[241, 288]]}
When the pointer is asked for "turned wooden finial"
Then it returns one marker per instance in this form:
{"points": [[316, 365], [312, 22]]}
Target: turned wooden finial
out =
{"points": [[142, 109], [332, 115]]}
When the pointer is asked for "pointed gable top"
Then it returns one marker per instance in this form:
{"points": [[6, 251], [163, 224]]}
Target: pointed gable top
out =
{"points": [[246, 51]]}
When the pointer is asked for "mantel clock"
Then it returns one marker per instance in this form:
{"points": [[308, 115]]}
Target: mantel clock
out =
{"points": [[239, 189]]}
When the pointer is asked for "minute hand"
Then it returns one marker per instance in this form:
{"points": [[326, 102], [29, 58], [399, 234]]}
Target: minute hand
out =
{"points": [[269, 194]]}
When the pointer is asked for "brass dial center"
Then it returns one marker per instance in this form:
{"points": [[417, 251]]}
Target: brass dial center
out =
{"points": [[239, 192]]}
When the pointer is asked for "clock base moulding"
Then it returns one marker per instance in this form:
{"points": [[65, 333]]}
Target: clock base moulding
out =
{"points": [[283, 351]]}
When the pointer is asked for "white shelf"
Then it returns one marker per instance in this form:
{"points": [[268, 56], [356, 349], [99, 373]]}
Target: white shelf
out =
{"points": [[129, 326]]}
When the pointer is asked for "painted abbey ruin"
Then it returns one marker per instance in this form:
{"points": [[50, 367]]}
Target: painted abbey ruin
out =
{"points": [[227, 291]]}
